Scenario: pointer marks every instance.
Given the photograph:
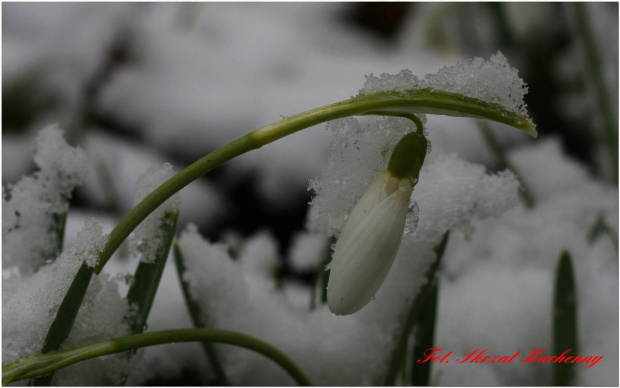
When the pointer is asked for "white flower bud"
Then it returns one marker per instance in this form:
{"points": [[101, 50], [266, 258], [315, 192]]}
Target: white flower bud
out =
{"points": [[368, 244]]}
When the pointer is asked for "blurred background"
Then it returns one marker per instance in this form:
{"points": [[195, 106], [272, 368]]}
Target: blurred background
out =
{"points": [[137, 85]]}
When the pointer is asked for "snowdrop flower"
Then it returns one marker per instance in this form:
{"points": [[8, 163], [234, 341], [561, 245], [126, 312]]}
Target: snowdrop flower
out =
{"points": [[373, 231]]}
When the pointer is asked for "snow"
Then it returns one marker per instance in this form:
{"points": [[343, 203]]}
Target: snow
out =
{"points": [[493, 81], [308, 251], [32, 206], [513, 260], [260, 255], [450, 189], [90, 242]]}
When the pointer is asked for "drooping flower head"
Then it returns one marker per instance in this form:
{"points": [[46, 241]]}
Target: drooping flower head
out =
{"points": [[373, 231]]}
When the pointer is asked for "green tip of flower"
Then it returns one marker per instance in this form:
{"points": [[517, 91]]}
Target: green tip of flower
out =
{"points": [[408, 156], [530, 129]]}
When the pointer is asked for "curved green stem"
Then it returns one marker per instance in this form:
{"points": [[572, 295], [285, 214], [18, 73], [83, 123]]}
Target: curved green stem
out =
{"points": [[415, 101], [46, 363]]}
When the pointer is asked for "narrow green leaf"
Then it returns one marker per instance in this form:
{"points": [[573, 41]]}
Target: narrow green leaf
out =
{"points": [[197, 315], [146, 279], [417, 306], [46, 363], [604, 104], [564, 318], [424, 336], [65, 317]]}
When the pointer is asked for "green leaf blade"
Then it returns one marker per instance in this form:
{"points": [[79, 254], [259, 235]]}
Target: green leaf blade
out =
{"points": [[148, 275], [564, 318], [46, 363], [65, 317], [414, 315]]}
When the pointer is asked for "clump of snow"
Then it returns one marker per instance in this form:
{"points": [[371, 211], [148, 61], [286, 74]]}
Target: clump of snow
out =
{"points": [[260, 255], [34, 206], [308, 250], [493, 81], [90, 242], [55, 156], [147, 237], [224, 285], [560, 175], [451, 192]]}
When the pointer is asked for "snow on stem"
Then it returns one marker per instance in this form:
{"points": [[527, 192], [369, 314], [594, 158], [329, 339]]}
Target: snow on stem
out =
{"points": [[46, 363]]}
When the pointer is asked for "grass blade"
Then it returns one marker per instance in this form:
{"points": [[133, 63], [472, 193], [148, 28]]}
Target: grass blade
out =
{"points": [[65, 317], [564, 318], [424, 329], [148, 274], [197, 315], [46, 363], [593, 59], [398, 353]]}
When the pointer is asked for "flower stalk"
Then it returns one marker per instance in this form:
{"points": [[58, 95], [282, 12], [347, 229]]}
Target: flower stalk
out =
{"points": [[46, 363]]}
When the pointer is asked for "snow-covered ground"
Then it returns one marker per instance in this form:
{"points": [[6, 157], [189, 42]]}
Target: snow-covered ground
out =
{"points": [[198, 75]]}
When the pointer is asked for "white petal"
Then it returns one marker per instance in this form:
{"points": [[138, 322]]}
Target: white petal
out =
{"points": [[363, 260], [376, 193]]}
